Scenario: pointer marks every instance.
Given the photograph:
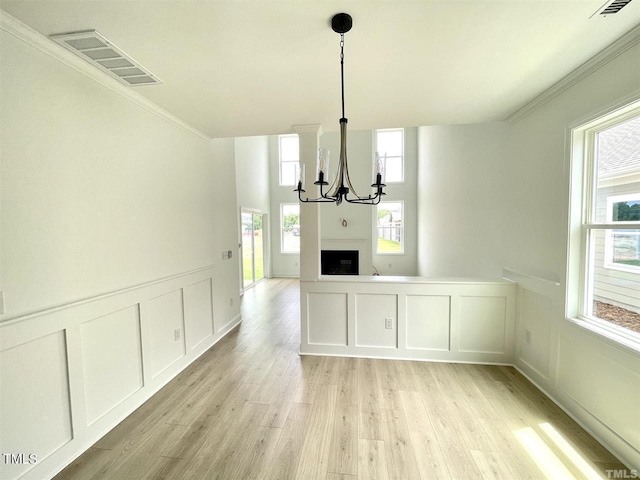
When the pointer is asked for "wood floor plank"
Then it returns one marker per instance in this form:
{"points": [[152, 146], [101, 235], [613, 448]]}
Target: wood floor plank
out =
{"points": [[311, 370], [491, 465], [283, 465], [512, 451], [369, 405], [387, 377], [401, 462], [314, 458], [372, 460], [343, 450], [450, 437], [340, 476], [256, 458], [405, 379], [429, 457]]}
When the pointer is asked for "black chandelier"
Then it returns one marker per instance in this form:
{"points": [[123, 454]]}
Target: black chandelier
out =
{"points": [[341, 185]]}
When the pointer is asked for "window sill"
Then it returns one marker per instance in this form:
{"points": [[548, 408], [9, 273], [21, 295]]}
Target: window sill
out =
{"points": [[612, 335]]}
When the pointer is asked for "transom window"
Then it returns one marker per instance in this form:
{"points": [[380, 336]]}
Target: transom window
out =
{"points": [[604, 247], [289, 158], [390, 145]]}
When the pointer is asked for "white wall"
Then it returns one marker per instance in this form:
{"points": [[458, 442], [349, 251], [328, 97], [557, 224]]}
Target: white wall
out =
{"points": [[97, 193], [101, 194], [592, 378], [252, 173], [461, 196]]}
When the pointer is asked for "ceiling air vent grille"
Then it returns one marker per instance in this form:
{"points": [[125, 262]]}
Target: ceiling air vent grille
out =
{"points": [[94, 48], [611, 7]]}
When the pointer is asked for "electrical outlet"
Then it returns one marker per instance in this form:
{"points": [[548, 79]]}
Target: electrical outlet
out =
{"points": [[527, 337], [224, 255], [176, 334], [388, 323], [229, 254]]}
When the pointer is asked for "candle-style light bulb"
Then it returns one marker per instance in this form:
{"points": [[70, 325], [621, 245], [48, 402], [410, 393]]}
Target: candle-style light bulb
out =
{"points": [[322, 170], [378, 168], [301, 177]]}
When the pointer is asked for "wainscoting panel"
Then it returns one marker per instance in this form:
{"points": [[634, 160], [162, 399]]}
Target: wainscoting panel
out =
{"points": [[70, 374], [198, 313], [613, 399], [429, 318], [483, 322], [164, 326], [428, 322], [371, 313], [111, 360], [535, 321], [328, 319], [35, 417]]}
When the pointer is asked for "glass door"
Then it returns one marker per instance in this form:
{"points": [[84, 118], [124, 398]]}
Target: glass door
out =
{"points": [[252, 248]]}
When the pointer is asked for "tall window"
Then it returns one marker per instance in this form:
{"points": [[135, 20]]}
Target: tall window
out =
{"points": [[290, 228], [390, 227], [289, 158], [390, 142], [605, 225]]}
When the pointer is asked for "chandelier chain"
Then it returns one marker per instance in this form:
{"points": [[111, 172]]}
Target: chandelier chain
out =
{"points": [[342, 69]]}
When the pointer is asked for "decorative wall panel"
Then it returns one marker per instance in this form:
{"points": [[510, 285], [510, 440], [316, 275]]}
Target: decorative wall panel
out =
{"points": [[198, 313], [372, 312], [327, 318], [111, 360], [428, 322], [483, 323], [164, 326]]}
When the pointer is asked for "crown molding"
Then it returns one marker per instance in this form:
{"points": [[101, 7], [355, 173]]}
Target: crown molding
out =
{"points": [[34, 38], [624, 43]]}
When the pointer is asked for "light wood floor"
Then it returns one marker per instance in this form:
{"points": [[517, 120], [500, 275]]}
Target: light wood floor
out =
{"points": [[252, 408]]}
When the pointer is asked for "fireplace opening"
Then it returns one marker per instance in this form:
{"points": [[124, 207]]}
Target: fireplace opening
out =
{"points": [[339, 262]]}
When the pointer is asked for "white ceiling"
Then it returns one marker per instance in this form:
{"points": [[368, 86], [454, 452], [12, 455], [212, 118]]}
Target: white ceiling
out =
{"points": [[253, 67]]}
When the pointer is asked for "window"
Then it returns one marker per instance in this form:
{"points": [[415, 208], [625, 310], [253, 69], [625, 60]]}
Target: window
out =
{"points": [[604, 245], [390, 228], [289, 158], [290, 228], [390, 142]]}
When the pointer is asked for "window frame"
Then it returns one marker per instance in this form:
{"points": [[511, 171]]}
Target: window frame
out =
{"points": [[281, 161], [402, 229], [386, 157], [583, 224], [282, 250]]}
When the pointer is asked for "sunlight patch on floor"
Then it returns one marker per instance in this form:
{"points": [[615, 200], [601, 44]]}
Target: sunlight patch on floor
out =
{"points": [[571, 453], [540, 452]]}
